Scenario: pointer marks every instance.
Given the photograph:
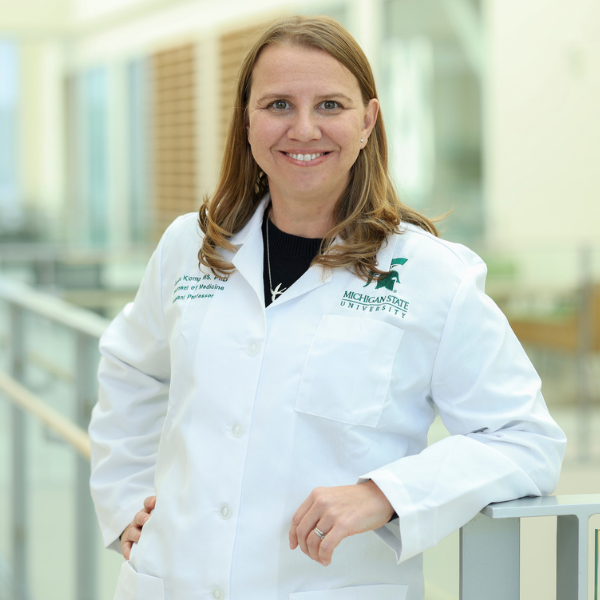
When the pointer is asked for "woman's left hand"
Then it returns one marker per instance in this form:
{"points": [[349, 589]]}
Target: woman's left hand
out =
{"points": [[337, 512]]}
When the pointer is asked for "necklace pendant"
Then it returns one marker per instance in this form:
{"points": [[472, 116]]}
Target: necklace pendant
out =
{"points": [[276, 292]]}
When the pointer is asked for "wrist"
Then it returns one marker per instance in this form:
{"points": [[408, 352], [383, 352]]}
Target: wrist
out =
{"points": [[391, 513]]}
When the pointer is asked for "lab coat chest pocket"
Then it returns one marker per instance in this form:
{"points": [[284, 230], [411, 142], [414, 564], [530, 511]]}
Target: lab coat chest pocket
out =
{"points": [[136, 586], [356, 592], [348, 370]]}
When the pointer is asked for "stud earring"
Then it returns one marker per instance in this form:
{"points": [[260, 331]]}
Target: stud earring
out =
{"points": [[361, 140]]}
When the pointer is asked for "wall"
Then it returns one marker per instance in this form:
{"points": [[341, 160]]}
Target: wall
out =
{"points": [[38, 27], [40, 125], [542, 85], [542, 123], [34, 17]]}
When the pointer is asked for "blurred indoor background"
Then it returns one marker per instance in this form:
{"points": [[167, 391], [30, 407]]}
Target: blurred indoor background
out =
{"points": [[113, 118]]}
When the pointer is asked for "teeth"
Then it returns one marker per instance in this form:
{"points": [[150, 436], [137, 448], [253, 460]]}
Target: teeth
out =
{"points": [[305, 157]]}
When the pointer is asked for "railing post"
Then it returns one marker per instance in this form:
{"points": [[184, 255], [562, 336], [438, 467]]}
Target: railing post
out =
{"points": [[489, 552], [571, 557], [86, 532], [20, 504], [490, 559]]}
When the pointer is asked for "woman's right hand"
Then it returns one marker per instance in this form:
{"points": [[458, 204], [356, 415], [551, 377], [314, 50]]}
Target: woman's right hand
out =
{"points": [[133, 532]]}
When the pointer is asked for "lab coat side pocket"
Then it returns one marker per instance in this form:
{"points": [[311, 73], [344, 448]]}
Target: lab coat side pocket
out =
{"points": [[348, 370], [136, 586], [356, 592]]}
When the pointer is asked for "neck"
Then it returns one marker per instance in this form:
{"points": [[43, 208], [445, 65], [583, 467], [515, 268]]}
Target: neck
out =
{"points": [[302, 219]]}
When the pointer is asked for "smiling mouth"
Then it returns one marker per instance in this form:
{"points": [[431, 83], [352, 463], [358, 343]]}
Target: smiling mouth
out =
{"points": [[305, 157]]}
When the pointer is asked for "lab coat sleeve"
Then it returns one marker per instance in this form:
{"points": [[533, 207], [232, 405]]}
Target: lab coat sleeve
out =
{"points": [[126, 422], [503, 443]]}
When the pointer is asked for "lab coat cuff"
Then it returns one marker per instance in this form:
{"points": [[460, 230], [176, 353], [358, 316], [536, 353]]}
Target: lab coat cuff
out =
{"points": [[390, 533]]}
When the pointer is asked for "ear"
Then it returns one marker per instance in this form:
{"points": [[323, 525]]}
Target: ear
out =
{"points": [[371, 112]]}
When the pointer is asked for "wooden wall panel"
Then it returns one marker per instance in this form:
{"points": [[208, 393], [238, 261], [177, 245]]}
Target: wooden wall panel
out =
{"points": [[174, 143], [234, 46]]}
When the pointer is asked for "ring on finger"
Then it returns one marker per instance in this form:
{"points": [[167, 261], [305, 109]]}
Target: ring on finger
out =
{"points": [[319, 533]]}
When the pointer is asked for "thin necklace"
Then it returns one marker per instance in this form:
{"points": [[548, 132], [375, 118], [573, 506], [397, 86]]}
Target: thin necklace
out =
{"points": [[274, 292]]}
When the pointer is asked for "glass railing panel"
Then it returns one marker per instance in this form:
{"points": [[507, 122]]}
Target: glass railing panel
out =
{"points": [[51, 533], [109, 566], [5, 465]]}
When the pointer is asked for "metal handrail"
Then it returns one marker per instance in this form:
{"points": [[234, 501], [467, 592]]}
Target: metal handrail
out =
{"points": [[494, 566], [46, 252], [86, 328], [52, 308], [20, 396], [39, 360]]}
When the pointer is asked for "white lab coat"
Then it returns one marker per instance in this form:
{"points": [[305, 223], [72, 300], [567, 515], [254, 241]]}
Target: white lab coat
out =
{"points": [[232, 413]]}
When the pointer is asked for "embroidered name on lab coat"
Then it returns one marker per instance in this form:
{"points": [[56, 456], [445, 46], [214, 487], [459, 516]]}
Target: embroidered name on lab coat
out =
{"points": [[194, 287]]}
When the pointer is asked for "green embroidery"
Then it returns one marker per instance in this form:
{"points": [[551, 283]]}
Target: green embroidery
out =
{"points": [[391, 278]]}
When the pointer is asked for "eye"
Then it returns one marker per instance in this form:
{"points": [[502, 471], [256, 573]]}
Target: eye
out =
{"points": [[279, 104], [330, 105]]}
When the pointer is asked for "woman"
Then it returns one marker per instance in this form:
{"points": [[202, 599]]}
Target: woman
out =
{"points": [[272, 385]]}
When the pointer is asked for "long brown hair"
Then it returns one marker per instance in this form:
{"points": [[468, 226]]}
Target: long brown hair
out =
{"points": [[367, 212]]}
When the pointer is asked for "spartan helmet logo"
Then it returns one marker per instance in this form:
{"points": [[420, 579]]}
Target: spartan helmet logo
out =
{"points": [[391, 278]]}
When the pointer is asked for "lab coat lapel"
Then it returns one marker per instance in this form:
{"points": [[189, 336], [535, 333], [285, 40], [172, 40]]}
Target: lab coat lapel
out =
{"points": [[385, 256], [248, 260], [317, 276], [312, 279]]}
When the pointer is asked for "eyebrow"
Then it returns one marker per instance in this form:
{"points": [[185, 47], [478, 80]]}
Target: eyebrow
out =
{"points": [[333, 96]]}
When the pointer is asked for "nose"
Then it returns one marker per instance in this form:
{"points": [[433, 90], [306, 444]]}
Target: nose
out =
{"points": [[304, 127]]}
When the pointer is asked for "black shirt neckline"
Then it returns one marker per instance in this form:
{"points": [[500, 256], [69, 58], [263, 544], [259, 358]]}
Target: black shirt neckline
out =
{"points": [[290, 257]]}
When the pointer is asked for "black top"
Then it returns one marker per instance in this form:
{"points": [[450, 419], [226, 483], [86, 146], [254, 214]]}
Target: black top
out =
{"points": [[290, 256]]}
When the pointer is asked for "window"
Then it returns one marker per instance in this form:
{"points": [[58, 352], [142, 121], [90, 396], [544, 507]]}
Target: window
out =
{"points": [[431, 102], [10, 209], [139, 124], [95, 122]]}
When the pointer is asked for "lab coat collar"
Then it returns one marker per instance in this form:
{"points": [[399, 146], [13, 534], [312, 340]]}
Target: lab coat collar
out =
{"points": [[386, 254], [248, 260], [255, 223], [315, 277]]}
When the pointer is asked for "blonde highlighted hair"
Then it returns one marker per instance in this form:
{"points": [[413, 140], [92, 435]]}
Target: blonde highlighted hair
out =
{"points": [[368, 211]]}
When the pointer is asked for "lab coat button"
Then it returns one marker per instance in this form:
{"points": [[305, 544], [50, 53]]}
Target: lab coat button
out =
{"points": [[217, 593], [225, 512], [237, 430], [253, 349]]}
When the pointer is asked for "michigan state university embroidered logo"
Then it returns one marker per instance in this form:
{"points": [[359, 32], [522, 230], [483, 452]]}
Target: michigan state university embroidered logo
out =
{"points": [[378, 301], [391, 278]]}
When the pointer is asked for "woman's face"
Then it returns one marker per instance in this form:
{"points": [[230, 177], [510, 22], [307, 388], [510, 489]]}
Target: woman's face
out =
{"points": [[305, 121]]}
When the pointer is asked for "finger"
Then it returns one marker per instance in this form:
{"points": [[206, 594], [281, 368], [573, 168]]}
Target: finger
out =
{"points": [[330, 543], [297, 519], [126, 549], [293, 533], [134, 534], [292, 536], [317, 512], [125, 534], [314, 540], [150, 503], [305, 531], [141, 518]]}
